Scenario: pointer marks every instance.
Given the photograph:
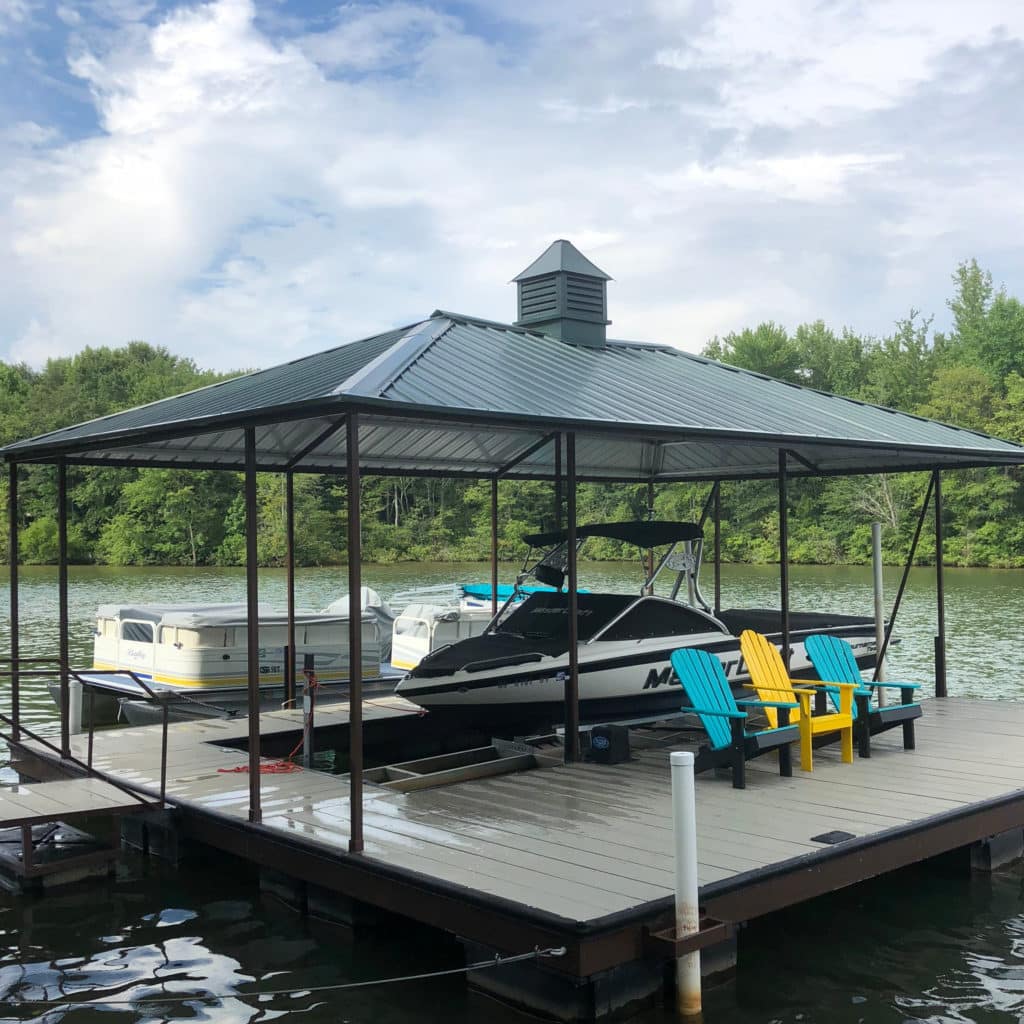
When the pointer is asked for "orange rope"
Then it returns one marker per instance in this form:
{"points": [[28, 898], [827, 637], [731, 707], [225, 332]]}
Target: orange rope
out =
{"points": [[286, 765], [283, 767]]}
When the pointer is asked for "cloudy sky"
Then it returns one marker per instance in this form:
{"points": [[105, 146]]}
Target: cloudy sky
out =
{"points": [[244, 181]]}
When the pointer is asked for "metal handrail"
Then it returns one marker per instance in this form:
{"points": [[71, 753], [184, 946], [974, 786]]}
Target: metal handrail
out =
{"points": [[161, 699]]}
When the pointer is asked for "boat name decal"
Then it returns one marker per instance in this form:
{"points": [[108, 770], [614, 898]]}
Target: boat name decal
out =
{"points": [[661, 677]]}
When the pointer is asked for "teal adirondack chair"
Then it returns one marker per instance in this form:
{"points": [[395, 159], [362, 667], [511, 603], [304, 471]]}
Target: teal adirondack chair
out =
{"points": [[834, 661], [724, 719]]}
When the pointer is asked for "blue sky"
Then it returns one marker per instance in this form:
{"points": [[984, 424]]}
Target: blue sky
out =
{"points": [[244, 182]]}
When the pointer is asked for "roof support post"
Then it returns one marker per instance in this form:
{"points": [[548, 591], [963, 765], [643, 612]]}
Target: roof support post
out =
{"points": [[12, 561], [252, 630], [289, 529], [494, 545], [784, 553], [572, 679], [650, 518], [940, 591], [355, 636], [62, 605], [718, 547], [558, 481]]}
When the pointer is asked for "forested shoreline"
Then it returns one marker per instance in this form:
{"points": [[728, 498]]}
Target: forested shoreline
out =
{"points": [[972, 377]]}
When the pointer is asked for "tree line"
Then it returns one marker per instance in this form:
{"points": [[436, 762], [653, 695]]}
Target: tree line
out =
{"points": [[972, 376]]}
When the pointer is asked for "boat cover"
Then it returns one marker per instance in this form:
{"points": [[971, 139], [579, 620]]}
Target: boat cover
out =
{"points": [[539, 626], [200, 616], [769, 620]]}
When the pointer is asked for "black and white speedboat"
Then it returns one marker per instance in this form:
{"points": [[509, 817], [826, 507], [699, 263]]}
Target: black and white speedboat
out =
{"points": [[512, 676]]}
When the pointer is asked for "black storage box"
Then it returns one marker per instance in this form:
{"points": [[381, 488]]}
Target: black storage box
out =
{"points": [[609, 744]]}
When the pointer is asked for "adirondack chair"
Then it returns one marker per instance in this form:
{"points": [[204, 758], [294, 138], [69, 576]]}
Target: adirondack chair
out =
{"points": [[725, 721], [768, 676], [834, 661]]}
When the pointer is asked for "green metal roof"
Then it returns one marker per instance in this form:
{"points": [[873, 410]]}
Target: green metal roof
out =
{"points": [[458, 395]]}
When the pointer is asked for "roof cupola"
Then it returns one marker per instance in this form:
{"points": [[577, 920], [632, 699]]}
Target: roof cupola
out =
{"points": [[563, 294]]}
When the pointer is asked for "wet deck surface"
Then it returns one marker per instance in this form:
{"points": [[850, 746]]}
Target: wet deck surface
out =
{"points": [[40, 803], [590, 840]]}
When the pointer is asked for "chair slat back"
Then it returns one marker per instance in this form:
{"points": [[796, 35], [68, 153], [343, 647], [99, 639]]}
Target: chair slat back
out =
{"points": [[834, 661], [707, 687], [767, 672]]}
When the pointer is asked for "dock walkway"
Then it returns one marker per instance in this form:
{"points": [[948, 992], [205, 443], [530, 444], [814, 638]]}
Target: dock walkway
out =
{"points": [[582, 854]]}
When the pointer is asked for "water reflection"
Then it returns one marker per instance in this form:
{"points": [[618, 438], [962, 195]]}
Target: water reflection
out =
{"points": [[917, 946], [158, 945]]}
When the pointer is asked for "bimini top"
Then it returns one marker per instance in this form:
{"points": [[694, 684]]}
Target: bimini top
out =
{"points": [[458, 396], [643, 533]]}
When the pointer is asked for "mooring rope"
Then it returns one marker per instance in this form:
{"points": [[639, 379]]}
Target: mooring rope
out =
{"points": [[480, 965]]}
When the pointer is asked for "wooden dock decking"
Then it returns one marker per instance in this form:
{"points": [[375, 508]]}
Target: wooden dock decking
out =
{"points": [[585, 851]]}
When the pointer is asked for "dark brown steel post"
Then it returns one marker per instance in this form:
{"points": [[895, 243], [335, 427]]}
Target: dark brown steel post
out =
{"points": [[12, 560], [289, 528], [252, 602], [62, 598], [494, 545], [784, 553], [558, 481], [718, 547], [355, 637], [650, 517], [940, 592], [572, 679]]}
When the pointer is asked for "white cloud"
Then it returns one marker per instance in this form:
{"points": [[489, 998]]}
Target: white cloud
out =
{"points": [[250, 196], [14, 13], [811, 177], [793, 61]]}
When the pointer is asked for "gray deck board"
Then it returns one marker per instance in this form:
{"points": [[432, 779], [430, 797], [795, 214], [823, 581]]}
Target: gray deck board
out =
{"points": [[587, 840], [66, 798]]}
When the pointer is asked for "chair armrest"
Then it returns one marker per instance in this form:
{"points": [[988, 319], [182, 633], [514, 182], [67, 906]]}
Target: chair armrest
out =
{"points": [[766, 704], [716, 714], [767, 689], [896, 686], [835, 687]]}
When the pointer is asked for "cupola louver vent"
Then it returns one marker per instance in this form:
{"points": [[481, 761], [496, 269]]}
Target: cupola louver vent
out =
{"points": [[563, 294]]}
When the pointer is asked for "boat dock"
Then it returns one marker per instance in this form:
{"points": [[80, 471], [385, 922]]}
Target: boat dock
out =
{"points": [[506, 848], [537, 853]]}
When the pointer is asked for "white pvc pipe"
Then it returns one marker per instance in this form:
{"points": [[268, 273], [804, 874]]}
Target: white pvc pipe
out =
{"points": [[684, 827], [74, 707], [876, 565]]}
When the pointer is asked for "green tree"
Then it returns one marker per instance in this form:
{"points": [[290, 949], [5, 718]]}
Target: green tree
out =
{"points": [[766, 349]]}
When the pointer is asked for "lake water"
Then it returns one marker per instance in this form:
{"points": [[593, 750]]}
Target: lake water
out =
{"points": [[917, 946]]}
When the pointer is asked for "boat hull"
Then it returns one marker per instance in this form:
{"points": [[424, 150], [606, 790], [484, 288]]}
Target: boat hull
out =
{"points": [[613, 684]]}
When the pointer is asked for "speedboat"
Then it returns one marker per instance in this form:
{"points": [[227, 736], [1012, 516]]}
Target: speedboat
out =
{"points": [[512, 675], [199, 652]]}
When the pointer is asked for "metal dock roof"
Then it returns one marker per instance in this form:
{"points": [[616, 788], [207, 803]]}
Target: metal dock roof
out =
{"points": [[457, 395]]}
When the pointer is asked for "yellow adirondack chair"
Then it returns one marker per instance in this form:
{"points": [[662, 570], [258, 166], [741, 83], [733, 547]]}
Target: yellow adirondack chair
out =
{"points": [[768, 676]]}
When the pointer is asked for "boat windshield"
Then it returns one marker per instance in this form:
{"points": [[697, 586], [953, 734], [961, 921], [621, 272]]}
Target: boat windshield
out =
{"points": [[545, 616]]}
